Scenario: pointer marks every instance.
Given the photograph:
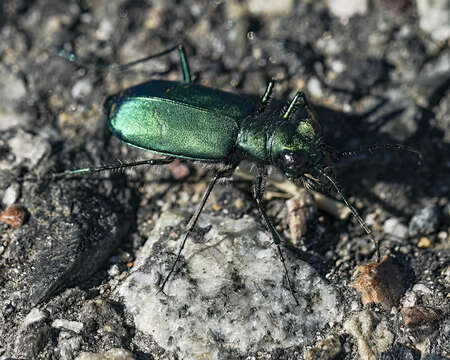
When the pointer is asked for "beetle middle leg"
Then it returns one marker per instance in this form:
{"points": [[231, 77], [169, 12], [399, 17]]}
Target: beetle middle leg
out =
{"points": [[193, 221], [258, 194]]}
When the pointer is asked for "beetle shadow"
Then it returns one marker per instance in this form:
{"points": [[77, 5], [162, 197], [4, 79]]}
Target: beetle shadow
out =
{"points": [[350, 132]]}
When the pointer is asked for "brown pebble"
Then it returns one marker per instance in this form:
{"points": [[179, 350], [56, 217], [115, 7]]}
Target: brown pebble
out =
{"points": [[179, 170], [14, 216], [419, 315], [216, 207], [380, 283], [302, 210]]}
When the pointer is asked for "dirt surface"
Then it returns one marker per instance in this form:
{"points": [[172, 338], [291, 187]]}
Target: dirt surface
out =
{"points": [[377, 72]]}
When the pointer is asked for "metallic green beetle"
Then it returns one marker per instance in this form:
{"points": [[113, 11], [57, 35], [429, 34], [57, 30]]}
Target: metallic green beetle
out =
{"points": [[188, 121]]}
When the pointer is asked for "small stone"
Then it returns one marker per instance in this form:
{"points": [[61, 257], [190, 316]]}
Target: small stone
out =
{"points": [[105, 30], [270, 8], [125, 256], [33, 316], [424, 243], [421, 288], [112, 354], [373, 337], [114, 270], [74, 326], [302, 212], [326, 349], [419, 315], [400, 351], [315, 88], [68, 345], [14, 216], [239, 203], [434, 18], [179, 170], [380, 283], [442, 235], [11, 194], [12, 87], [345, 9], [395, 228], [425, 221], [28, 148], [82, 88], [216, 207]]}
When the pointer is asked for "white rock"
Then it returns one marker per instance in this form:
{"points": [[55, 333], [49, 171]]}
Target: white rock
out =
{"points": [[435, 18], [345, 9], [230, 293]]}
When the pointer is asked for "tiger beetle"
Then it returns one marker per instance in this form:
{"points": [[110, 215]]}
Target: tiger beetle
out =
{"points": [[193, 122]]}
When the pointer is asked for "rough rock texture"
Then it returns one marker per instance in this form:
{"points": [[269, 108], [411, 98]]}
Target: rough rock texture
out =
{"points": [[229, 297], [378, 72]]}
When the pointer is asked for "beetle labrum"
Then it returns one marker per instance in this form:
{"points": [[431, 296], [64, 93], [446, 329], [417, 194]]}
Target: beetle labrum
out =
{"points": [[193, 122]]}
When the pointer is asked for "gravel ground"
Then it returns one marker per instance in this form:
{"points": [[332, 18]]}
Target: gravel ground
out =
{"points": [[80, 258]]}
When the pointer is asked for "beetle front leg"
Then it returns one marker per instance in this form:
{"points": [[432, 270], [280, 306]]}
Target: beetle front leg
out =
{"points": [[258, 194]]}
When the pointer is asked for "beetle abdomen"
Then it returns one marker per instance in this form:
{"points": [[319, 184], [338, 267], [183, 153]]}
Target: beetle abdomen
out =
{"points": [[173, 128]]}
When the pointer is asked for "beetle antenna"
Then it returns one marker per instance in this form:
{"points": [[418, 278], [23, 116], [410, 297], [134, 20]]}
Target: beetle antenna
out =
{"points": [[354, 212], [380, 147]]}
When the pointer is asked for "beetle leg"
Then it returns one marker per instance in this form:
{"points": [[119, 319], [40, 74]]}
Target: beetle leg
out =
{"points": [[193, 221], [258, 194], [83, 171], [309, 109], [184, 64], [119, 67], [266, 97], [292, 104], [183, 61]]}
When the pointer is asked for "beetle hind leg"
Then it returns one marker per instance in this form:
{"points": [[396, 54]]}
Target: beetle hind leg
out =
{"points": [[111, 167]]}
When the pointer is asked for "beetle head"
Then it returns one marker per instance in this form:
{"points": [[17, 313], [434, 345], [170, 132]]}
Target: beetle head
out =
{"points": [[296, 148]]}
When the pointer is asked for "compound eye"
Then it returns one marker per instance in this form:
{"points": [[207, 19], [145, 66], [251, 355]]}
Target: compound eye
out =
{"points": [[293, 164]]}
